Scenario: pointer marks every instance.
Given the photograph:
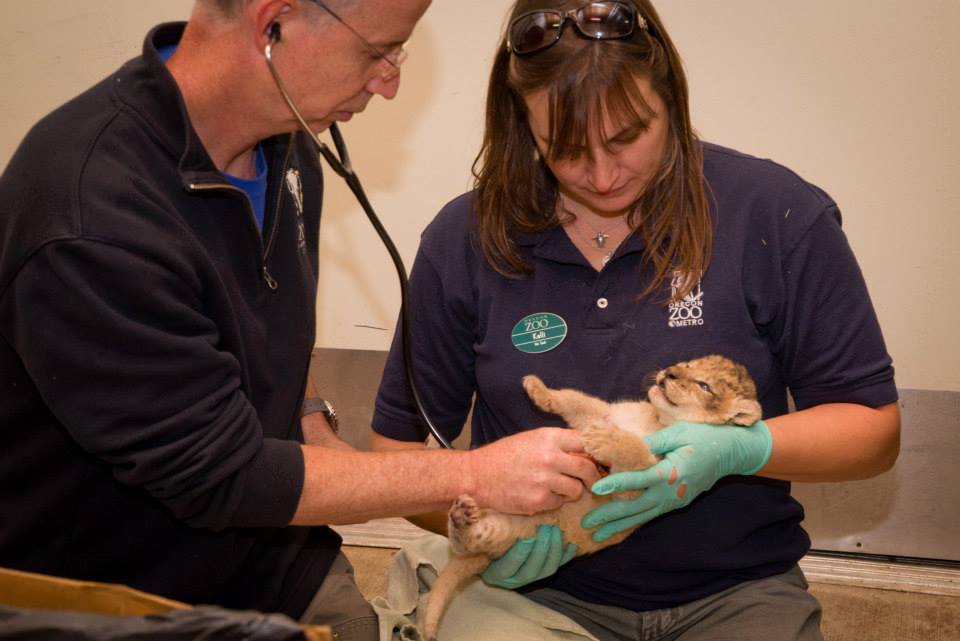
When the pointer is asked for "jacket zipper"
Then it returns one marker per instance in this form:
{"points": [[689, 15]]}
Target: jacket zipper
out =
{"points": [[271, 283], [264, 249]]}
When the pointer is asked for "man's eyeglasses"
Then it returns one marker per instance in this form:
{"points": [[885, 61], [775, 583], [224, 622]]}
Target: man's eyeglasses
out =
{"points": [[538, 30], [393, 58]]}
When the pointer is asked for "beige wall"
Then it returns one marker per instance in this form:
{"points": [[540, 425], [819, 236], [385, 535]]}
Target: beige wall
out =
{"points": [[859, 97]]}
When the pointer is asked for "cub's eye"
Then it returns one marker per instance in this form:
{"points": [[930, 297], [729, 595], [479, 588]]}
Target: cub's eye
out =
{"points": [[705, 387]]}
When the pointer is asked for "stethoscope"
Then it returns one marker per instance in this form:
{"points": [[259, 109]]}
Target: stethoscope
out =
{"points": [[340, 163]]}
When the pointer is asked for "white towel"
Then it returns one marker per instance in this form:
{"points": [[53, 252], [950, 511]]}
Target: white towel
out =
{"points": [[478, 613]]}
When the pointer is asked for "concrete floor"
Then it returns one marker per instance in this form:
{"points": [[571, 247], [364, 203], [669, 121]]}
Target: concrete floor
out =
{"points": [[850, 613]]}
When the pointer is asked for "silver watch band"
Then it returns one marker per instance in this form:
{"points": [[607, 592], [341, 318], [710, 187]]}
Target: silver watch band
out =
{"points": [[313, 405]]}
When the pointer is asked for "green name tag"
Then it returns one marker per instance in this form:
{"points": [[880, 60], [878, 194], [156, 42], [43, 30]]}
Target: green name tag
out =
{"points": [[538, 333]]}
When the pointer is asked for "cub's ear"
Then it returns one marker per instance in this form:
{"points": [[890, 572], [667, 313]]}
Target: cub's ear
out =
{"points": [[745, 412]]}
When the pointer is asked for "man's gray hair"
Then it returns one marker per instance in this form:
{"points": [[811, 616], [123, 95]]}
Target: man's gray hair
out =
{"points": [[232, 7], [229, 7]]}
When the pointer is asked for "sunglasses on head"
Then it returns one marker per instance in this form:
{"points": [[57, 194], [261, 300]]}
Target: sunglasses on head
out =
{"points": [[538, 30]]}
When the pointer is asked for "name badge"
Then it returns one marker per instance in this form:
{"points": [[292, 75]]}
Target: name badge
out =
{"points": [[538, 333]]}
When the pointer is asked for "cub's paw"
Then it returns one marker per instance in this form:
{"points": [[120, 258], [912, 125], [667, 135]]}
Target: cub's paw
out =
{"points": [[462, 518], [617, 449], [464, 512], [602, 442], [538, 392]]}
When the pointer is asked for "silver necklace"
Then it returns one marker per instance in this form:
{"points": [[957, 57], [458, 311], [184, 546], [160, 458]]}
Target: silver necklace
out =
{"points": [[606, 258], [607, 253], [600, 236]]}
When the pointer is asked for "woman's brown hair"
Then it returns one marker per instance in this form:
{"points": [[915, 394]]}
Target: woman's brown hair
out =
{"points": [[585, 80]]}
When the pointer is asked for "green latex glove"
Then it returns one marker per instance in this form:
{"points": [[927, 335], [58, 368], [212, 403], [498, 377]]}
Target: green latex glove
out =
{"points": [[530, 560], [695, 457]]}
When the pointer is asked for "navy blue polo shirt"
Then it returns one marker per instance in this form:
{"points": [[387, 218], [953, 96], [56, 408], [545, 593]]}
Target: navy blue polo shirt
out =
{"points": [[783, 295]]}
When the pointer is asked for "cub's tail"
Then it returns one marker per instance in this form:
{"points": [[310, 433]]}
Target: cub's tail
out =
{"points": [[453, 576]]}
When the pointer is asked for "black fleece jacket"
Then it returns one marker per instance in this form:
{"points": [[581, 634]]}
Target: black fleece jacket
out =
{"points": [[154, 347]]}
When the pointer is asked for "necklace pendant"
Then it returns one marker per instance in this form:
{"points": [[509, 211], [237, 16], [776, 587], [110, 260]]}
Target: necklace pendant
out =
{"points": [[601, 239]]}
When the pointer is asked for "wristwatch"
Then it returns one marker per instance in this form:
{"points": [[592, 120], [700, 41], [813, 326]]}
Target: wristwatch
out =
{"points": [[312, 405]]}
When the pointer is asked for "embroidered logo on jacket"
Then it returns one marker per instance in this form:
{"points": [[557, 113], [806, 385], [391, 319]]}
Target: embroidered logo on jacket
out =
{"points": [[688, 311], [296, 190]]}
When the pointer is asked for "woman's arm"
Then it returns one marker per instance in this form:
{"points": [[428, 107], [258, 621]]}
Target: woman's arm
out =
{"points": [[833, 442], [830, 442]]}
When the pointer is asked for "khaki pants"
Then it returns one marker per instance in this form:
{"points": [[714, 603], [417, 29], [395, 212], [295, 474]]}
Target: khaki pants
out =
{"points": [[340, 605], [778, 608]]}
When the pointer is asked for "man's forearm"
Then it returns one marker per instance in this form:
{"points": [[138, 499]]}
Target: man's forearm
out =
{"points": [[352, 487], [528, 472]]}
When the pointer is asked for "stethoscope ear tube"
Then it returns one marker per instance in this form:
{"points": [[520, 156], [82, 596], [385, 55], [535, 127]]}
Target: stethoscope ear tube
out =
{"points": [[342, 167]]}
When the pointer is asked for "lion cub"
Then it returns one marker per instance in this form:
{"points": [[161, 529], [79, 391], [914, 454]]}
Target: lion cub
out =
{"points": [[712, 389]]}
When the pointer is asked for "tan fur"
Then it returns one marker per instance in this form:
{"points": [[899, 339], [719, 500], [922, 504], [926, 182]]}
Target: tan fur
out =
{"points": [[612, 434]]}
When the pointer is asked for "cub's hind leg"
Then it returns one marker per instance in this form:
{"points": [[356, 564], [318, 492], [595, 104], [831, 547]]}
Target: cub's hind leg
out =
{"points": [[474, 530], [579, 410], [463, 515]]}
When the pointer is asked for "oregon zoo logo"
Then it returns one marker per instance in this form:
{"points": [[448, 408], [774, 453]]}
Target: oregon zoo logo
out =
{"points": [[538, 333], [688, 311]]}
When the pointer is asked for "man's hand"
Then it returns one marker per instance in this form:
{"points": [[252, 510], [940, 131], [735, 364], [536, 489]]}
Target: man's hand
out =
{"points": [[530, 560], [695, 457], [531, 471]]}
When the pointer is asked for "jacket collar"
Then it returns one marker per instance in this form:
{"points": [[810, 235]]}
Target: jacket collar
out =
{"points": [[148, 90]]}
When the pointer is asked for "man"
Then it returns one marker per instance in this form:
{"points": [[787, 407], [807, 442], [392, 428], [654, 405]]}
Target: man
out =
{"points": [[158, 258]]}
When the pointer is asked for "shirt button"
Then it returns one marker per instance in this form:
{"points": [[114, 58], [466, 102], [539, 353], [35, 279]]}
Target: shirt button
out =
{"points": [[602, 303]]}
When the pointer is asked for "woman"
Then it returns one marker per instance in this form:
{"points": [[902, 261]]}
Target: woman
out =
{"points": [[603, 242]]}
